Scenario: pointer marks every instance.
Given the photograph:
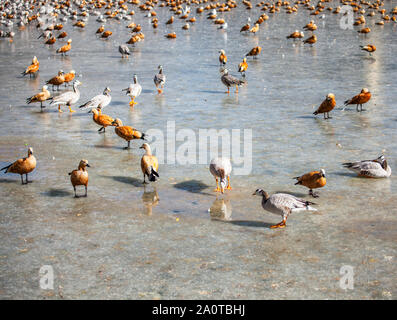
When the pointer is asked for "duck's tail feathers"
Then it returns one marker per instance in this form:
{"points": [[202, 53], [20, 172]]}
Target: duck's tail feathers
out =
{"points": [[85, 105], [315, 112], [153, 175], [6, 168], [29, 100], [347, 102], [347, 164], [299, 182], [143, 136]]}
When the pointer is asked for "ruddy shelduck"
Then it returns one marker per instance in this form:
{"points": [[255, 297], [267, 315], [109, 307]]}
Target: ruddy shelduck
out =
{"points": [[326, 106], [127, 133], [33, 68], [312, 180], [40, 97], [363, 97], [22, 166], [149, 164], [79, 177], [222, 57], [100, 119], [66, 48]]}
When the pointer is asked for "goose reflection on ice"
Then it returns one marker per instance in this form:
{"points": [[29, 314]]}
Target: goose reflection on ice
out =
{"points": [[150, 199], [221, 209]]}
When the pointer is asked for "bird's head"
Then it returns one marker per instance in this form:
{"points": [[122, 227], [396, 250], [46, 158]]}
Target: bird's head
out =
{"points": [[260, 192], [106, 91], [30, 151], [322, 172], [364, 90], [45, 87], [117, 122], [84, 163], [330, 96]]}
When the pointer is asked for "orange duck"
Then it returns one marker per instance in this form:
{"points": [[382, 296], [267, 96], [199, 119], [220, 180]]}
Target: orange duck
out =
{"points": [[312, 180], [22, 166], [126, 132], [79, 177], [363, 97], [326, 106], [33, 68]]}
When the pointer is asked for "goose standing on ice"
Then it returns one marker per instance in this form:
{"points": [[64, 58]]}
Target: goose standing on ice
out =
{"points": [[22, 166], [159, 79], [134, 90], [221, 168], [68, 98], [101, 100], [377, 168], [228, 80], [124, 50], [283, 204]]}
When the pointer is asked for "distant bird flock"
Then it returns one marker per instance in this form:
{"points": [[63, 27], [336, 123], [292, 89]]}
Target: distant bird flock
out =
{"points": [[50, 18]]}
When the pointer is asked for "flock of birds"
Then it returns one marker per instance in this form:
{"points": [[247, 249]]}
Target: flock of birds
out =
{"points": [[50, 16]]}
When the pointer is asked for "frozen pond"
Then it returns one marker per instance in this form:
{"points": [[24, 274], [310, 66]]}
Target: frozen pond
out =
{"points": [[159, 241]]}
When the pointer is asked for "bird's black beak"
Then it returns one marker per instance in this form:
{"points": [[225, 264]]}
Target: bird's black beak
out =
{"points": [[88, 165]]}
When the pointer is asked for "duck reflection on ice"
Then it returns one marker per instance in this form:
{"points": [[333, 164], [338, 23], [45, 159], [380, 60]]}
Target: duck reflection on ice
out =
{"points": [[221, 209], [150, 199]]}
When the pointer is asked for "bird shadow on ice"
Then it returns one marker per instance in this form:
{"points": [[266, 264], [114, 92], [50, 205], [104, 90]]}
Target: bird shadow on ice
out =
{"points": [[296, 194], [118, 103], [57, 193], [7, 181], [193, 186], [211, 91], [127, 180], [248, 223], [347, 174]]}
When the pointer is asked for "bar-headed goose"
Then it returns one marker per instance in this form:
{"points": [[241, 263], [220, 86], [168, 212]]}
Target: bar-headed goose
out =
{"points": [[282, 204]]}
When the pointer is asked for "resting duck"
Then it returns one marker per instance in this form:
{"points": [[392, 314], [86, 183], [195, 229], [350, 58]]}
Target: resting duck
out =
{"points": [[311, 40], [149, 164], [40, 97], [254, 52], [369, 48], [326, 106], [221, 168], [283, 204], [312, 180], [126, 132], [22, 166], [377, 168], [79, 177]]}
